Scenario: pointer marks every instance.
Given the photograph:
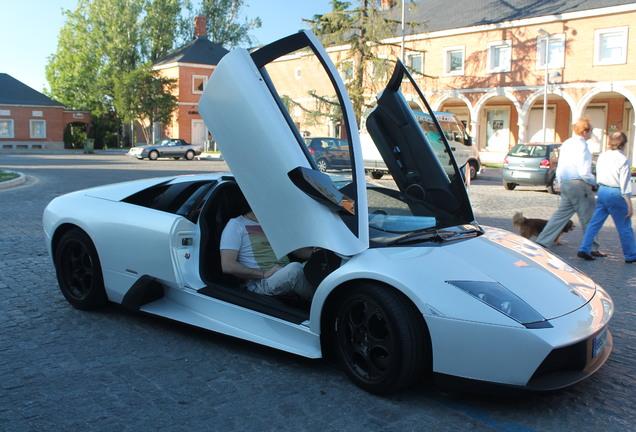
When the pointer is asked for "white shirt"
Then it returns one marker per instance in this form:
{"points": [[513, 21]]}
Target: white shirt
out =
{"points": [[612, 169], [575, 161]]}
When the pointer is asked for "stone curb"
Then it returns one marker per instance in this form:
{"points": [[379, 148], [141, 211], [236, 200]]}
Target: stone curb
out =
{"points": [[14, 182]]}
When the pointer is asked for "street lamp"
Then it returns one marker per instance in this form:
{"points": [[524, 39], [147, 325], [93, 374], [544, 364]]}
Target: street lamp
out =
{"points": [[545, 90]]}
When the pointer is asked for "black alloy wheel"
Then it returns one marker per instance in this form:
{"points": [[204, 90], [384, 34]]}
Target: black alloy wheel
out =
{"points": [[381, 339], [79, 272]]}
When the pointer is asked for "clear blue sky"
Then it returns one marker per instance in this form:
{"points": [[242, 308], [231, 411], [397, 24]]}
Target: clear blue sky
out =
{"points": [[30, 28]]}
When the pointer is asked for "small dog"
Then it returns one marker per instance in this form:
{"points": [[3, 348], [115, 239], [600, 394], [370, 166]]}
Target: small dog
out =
{"points": [[529, 228]]}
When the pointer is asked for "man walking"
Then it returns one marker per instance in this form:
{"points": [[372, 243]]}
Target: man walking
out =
{"points": [[577, 183]]}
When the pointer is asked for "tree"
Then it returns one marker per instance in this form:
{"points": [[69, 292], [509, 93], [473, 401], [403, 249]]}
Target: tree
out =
{"points": [[223, 26], [147, 97], [364, 29], [104, 43]]}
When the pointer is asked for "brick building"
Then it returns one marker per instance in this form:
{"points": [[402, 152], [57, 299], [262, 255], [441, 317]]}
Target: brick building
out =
{"points": [[32, 120], [485, 61], [191, 65]]}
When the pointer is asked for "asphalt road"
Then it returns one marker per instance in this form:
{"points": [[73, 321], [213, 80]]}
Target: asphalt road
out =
{"points": [[112, 370]]}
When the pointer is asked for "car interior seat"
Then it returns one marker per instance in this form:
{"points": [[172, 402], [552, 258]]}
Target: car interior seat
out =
{"points": [[225, 202]]}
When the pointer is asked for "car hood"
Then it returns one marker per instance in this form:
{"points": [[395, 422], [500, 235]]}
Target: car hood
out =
{"points": [[545, 282]]}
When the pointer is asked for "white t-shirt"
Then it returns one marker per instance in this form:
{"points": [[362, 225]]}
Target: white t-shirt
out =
{"points": [[254, 251]]}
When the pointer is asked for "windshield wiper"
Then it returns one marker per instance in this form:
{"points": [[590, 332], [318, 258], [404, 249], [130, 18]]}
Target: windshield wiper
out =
{"points": [[439, 235]]}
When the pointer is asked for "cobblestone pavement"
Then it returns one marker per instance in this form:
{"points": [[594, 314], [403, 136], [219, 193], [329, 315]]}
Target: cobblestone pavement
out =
{"points": [[112, 370]]}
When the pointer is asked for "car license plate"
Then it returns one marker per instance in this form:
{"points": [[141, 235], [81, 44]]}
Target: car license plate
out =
{"points": [[521, 174], [599, 342]]}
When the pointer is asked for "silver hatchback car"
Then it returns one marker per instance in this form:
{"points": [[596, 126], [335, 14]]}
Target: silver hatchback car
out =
{"points": [[531, 164]]}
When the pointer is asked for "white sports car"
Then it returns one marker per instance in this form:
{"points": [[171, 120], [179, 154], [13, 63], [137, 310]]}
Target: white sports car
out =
{"points": [[407, 283]]}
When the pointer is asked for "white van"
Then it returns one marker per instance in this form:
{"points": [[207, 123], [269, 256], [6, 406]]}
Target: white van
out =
{"points": [[458, 139]]}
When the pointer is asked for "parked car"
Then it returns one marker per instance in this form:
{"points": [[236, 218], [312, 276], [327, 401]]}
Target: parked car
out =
{"points": [[408, 284], [531, 164], [329, 153], [169, 147]]}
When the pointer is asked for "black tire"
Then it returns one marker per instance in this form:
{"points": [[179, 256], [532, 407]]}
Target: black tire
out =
{"points": [[377, 175], [473, 168], [509, 186], [79, 272], [553, 187], [189, 155], [153, 155], [323, 165], [176, 157], [380, 339]]}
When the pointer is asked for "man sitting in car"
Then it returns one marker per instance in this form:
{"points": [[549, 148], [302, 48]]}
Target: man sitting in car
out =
{"points": [[247, 254]]}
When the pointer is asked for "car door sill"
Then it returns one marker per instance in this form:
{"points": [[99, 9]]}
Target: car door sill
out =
{"points": [[257, 302]]}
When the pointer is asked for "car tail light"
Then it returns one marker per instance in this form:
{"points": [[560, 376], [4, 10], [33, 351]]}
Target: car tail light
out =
{"points": [[505, 162], [545, 163]]}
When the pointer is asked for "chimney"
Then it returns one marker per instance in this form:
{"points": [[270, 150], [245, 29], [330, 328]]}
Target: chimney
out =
{"points": [[200, 24], [387, 4]]}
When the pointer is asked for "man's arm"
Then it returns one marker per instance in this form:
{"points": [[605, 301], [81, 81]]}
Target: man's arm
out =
{"points": [[231, 266]]}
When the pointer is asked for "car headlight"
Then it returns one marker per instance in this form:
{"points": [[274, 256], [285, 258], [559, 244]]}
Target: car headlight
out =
{"points": [[502, 299]]}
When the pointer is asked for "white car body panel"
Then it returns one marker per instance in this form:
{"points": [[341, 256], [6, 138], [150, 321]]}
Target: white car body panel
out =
{"points": [[261, 155], [202, 311], [463, 330]]}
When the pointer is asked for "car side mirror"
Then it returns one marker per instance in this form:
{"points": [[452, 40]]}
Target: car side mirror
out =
{"points": [[320, 187]]}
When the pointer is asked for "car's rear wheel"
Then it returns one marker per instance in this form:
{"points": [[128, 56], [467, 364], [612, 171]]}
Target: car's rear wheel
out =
{"points": [[323, 165], [79, 272], [380, 339], [153, 155], [189, 155], [473, 168], [377, 175], [176, 157], [509, 185], [553, 187]]}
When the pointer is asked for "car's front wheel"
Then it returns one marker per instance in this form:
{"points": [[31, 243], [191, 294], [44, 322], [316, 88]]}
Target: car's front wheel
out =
{"points": [[377, 175], [380, 339], [509, 185], [153, 155], [79, 271], [323, 165], [189, 155]]}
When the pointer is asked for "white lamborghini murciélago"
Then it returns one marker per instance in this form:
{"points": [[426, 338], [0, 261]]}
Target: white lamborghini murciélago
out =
{"points": [[407, 283]]}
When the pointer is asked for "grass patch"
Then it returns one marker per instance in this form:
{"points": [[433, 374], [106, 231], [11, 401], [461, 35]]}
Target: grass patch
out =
{"points": [[493, 165], [6, 176]]}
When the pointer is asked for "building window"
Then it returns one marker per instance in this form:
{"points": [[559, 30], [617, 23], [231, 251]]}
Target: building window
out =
{"points": [[556, 52], [454, 60], [380, 69], [198, 83], [499, 56], [5, 112], [6, 128], [415, 63], [346, 70], [37, 128], [610, 46]]}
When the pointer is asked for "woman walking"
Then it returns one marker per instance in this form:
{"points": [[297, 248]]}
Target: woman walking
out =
{"points": [[614, 198]]}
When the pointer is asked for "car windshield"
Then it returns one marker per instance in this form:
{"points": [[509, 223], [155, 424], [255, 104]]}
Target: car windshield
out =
{"points": [[529, 150], [395, 218]]}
